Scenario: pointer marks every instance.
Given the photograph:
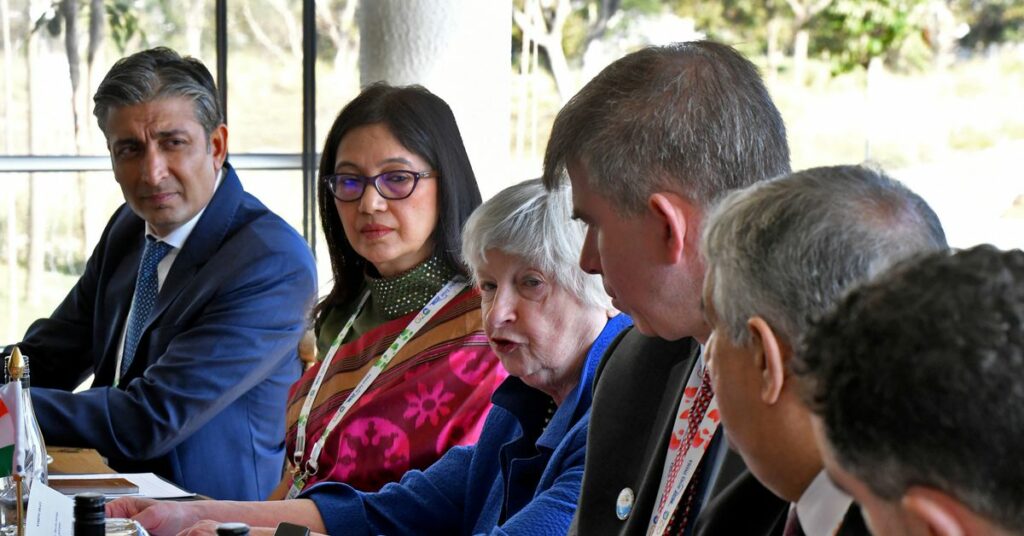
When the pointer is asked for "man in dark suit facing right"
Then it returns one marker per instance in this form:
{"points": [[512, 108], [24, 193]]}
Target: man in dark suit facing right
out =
{"points": [[649, 145], [778, 254]]}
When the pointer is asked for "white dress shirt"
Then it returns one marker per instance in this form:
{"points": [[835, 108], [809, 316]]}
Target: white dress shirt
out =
{"points": [[822, 507]]}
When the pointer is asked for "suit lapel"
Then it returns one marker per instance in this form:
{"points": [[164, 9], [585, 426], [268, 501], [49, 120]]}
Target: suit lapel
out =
{"points": [[203, 242], [126, 241], [201, 245]]}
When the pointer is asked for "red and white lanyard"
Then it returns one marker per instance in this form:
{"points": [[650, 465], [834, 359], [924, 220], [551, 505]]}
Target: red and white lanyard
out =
{"points": [[686, 448]]}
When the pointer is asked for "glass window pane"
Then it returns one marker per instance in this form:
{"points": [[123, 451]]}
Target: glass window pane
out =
{"points": [[51, 222]]}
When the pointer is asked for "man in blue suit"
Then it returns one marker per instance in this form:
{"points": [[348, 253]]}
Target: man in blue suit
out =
{"points": [[191, 306]]}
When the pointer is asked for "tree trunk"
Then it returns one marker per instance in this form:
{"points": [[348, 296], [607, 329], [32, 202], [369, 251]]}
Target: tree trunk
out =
{"points": [[800, 45], [70, 10], [875, 72], [774, 33], [523, 97], [466, 64], [560, 69], [34, 253], [97, 18], [10, 248], [5, 30], [534, 24], [195, 20]]}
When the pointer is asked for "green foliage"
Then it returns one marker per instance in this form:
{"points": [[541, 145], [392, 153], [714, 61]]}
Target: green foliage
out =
{"points": [[642, 6], [124, 23], [574, 35], [741, 23], [852, 32]]}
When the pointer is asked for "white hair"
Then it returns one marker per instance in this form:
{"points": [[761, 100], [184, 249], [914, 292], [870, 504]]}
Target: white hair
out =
{"points": [[534, 224]]}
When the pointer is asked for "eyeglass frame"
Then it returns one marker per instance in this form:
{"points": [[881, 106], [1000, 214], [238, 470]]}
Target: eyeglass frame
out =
{"points": [[331, 181]]}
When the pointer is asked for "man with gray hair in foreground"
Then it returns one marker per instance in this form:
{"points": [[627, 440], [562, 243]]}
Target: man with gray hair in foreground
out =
{"points": [[917, 382], [778, 254], [648, 145]]}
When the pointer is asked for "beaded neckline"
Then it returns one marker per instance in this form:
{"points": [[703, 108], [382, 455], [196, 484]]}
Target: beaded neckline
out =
{"points": [[552, 407], [409, 291]]}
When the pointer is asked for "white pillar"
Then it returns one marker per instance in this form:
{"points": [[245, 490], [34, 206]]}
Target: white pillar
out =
{"points": [[458, 49]]}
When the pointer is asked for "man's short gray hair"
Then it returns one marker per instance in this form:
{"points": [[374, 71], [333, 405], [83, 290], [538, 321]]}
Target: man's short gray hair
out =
{"points": [[789, 248], [534, 224], [155, 74], [691, 118]]}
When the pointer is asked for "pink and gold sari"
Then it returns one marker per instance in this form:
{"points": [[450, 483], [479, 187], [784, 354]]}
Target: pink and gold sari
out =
{"points": [[435, 394]]}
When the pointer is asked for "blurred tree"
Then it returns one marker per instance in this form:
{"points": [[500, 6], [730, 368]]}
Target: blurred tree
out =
{"points": [[337, 22], [803, 12], [990, 21], [282, 38], [124, 24], [96, 34], [543, 22], [860, 34], [755, 27], [853, 32], [564, 29], [10, 207]]}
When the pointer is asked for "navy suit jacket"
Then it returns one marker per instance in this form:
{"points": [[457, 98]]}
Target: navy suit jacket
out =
{"points": [[203, 402]]}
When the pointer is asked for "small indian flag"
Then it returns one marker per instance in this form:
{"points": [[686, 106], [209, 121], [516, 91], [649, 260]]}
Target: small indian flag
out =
{"points": [[12, 431]]}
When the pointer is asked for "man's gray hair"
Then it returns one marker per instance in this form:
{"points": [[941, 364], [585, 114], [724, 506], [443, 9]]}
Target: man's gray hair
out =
{"points": [[155, 74], [534, 224], [692, 118], [789, 248]]}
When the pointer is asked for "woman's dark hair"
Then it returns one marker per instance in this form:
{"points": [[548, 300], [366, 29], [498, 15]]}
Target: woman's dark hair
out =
{"points": [[424, 124]]}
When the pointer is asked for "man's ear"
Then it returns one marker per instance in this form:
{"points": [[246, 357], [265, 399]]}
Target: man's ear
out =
{"points": [[770, 358], [219, 145], [672, 212], [940, 513]]}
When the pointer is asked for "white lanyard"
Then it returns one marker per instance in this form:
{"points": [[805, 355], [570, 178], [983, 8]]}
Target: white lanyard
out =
{"points": [[445, 295], [676, 484]]}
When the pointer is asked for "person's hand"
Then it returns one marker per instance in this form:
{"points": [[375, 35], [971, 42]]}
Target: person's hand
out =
{"points": [[209, 528], [159, 518], [128, 506]]}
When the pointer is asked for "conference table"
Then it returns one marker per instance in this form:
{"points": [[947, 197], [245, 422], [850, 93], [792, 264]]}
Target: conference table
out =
{"points": [[67, 460]]}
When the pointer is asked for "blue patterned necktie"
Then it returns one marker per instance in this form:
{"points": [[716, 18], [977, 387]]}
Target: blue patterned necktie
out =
{"points": [[146, 289]]}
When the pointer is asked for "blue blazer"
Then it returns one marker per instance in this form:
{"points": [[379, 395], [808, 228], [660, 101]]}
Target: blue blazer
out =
{"points": [[511, 482], [203, 402]]}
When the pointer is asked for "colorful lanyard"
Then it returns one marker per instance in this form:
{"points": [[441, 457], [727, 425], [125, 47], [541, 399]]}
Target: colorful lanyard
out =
{"points": [[301, 475], [680, 468]]}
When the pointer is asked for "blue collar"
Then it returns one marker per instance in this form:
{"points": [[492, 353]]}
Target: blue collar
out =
{"points": [[528, 404]]}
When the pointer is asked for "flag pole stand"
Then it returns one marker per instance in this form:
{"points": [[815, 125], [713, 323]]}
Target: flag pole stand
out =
{"points": [[21, 507]]}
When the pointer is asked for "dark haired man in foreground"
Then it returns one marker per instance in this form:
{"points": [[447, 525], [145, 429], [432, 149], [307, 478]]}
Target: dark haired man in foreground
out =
{"points": [[917, 380]]}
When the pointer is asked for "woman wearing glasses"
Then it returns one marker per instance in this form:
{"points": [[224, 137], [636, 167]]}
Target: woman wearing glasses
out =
{"points": [[404, 370], [550, 323]]}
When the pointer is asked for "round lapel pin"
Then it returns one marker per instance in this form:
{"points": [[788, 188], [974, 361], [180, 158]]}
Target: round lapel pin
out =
{"points": [[624, 504]]}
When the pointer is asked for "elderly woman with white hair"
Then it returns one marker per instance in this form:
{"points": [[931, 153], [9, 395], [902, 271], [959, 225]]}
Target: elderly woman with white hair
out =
{"points": [[549, 323]]}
